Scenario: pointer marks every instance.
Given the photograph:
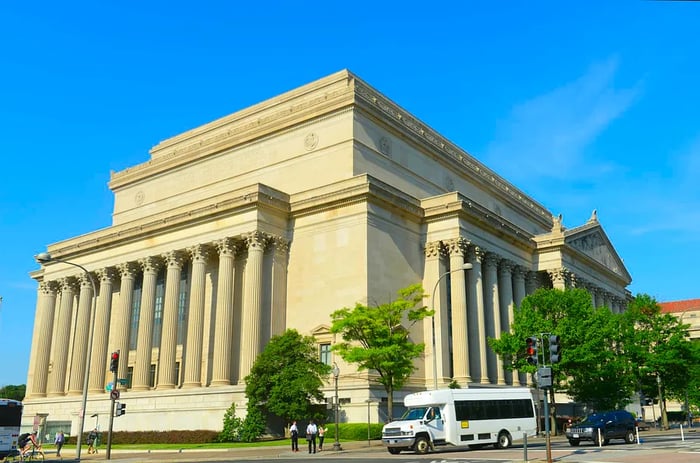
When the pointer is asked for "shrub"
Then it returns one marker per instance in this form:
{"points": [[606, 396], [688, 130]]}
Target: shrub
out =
{"points": [[232, 426]]}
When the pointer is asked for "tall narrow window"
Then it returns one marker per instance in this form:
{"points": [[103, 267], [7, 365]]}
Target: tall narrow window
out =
{"points": [[135, 312], [152, 375], [129, 376], [182, 305], [158, 309], [325, 353]]}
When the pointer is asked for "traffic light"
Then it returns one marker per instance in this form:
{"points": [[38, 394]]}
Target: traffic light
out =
{"points": [[554, 349], [531, 350], [114, 362], [121, 409]]}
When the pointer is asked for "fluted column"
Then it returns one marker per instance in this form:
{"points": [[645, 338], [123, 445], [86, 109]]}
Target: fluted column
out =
{"points": [[506, 302], [493, 310], [99, 361], [252, 308], [531, 283], [168, 344], [223, 328], [59, 363], [80, 342], [195, 322], [460, 352], [431, 274], [144, 341], [278, 322], [519, 295], [478, 343], [121, 329], [46, 307]]}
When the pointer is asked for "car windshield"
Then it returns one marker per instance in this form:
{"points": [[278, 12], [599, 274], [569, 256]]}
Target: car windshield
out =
{"points": [[594, 418], [414, 413]]}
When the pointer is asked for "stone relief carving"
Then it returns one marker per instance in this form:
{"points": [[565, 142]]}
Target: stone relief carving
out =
{"points": [[385, 146], [594, 245], [311, 141]]}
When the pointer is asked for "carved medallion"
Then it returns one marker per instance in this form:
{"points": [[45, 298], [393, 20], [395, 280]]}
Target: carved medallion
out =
{"points": [[310, 141], [385, 146], [140, 196]]}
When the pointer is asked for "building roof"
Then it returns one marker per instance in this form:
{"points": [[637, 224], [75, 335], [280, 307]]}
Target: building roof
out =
{"points": [[680, 306]]}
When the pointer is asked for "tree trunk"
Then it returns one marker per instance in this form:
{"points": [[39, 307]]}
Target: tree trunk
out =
{"points": [[390, 401]]}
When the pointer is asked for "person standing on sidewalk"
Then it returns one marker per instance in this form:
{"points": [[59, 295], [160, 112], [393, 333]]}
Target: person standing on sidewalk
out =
{"points": [[311, 431], [321, 435], [294, 434]]}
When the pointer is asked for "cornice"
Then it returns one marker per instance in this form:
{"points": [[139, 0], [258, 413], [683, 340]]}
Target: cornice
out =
{"points": [[458, 205], [386, 110], [257, 196]]}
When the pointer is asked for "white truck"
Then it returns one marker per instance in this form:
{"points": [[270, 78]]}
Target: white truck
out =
{"points": [[462, 417]]}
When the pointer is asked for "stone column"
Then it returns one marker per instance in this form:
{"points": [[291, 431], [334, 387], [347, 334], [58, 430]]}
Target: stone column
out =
{"points": [[195, 322], [506, 303], [168, 344], [223, 328], [493, 310], [59, 364], [431, 274], [99, 362], [121, 329], [144, 341], [558, 277], [460, 361], [278, 321], [519, 294], [252, 310], [46, 307], [531, 283], [83, 326], [477, 344]]}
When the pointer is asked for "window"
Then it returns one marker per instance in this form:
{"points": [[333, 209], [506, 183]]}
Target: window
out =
{"points": [[158, 310], [182, 306], [325, 353], [152, 375], [129, 377], [493, 409], [135, 313]]}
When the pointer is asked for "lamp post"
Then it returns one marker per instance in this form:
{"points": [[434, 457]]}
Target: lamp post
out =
{"points": [[336, 373], [44, 258], [466, 266]]}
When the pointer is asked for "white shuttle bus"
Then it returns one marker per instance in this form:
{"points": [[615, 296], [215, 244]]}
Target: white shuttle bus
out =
{"points": [[462, 417]]}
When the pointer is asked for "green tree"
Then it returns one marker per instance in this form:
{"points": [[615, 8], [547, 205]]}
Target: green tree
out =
{"points": [[374, 338], [232, 426], [13, 392], [285, 380], [661, 348]]}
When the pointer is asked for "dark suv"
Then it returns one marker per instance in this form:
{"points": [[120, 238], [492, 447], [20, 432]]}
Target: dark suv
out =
{"points": [[605, 425]]}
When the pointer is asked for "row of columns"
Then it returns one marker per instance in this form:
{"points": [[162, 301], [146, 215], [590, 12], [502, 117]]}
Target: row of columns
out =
{"points": [[56, 303], [481, 306]]}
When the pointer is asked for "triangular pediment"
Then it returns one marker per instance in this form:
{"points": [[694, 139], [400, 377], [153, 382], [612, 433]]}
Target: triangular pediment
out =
{"points": [[592, 241]]}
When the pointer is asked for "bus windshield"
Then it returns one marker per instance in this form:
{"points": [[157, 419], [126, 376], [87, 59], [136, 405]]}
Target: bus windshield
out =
{"points": [[10, 421], [414, 414]]}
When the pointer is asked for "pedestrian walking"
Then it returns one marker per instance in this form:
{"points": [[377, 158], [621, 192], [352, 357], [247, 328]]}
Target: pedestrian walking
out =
{"points": [[294, 433], [58, 442], [311, 431]]}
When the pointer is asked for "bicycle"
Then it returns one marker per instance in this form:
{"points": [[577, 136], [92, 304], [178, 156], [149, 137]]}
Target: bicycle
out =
{"points": [[34, 454]]}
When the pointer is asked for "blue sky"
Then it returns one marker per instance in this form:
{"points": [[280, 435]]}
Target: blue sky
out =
{"points": [[583, 106]]}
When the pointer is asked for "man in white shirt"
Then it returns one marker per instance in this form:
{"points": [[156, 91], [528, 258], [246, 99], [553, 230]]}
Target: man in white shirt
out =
{"points": [[311, 431]]}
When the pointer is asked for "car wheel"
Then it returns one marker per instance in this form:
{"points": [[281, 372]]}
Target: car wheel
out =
{"points": [[630, 437], [574, 443], [504, 440], [422, 445], [394, 450]]}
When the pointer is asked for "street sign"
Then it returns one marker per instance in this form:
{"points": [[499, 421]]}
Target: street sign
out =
{"points": [[123, 381], [114, 395]]}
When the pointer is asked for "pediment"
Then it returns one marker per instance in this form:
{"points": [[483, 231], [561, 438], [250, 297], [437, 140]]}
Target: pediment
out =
{"points": [[594, 243]]}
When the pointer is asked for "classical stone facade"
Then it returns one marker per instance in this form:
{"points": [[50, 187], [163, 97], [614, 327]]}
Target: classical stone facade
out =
{"points": [[272, 218]]}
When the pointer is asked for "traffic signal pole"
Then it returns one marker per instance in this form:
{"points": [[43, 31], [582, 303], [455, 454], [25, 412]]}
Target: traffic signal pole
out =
{"points": [[114, 395], [544, 374]]}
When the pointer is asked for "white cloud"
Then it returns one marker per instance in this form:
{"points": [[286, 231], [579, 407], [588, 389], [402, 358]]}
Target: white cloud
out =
{"points": [[547, 135]]}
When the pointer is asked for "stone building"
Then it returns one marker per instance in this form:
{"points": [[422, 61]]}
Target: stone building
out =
{"points": [[272, 218]]}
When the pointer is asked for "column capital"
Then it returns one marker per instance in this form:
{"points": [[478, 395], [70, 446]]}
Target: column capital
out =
{"points": [[128, 269], [151, 264], [107, 274], [491, 260], [456, 246], [256, 240], [519, 272], [174, 259], [68, 284], [200, 253], [281, 244], [558, 275], [476, 253], [433, 249], [49, 287], [506, 266], [226, 247]]}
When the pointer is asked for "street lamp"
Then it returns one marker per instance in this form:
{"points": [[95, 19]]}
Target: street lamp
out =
{"points": [[44, 258], [466, 266], [336, 373]]}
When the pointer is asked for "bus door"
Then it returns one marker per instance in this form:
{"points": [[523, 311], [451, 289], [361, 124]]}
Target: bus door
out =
{"points": [[435, 423]]}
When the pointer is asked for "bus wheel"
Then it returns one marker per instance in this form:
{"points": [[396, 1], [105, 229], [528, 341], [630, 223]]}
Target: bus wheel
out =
{"points": [[422, 445], [504, 440], [394, 450]]}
